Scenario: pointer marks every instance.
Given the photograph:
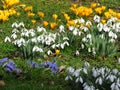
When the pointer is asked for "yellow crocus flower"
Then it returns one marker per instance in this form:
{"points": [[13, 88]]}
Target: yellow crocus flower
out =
{"points": [[28, 8], [45, 23], [53, 25], [57, 52], [30, 14], [41, 14], [33, 21], [55, 16], [93, 5], [103, 21], [107, 15]]}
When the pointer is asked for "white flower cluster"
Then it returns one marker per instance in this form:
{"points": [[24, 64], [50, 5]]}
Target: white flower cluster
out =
{"points": [[85, 33], [94, 78], [37, 40]]}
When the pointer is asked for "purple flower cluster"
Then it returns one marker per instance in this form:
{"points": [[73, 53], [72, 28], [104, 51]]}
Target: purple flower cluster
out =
{"points": [[9, 65], [52, 65]]}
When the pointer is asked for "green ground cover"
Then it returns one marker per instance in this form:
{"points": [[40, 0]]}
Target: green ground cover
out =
{"points": [[43, 79]]}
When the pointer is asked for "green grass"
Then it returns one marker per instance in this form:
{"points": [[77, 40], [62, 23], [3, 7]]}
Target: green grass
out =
{"points": [[38, 80]]}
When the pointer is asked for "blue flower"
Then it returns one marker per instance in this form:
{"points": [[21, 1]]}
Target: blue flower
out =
{"points": [[43, 65], [33, 64], [52, 65], [7, 69], [3, 61], [11, 65]]}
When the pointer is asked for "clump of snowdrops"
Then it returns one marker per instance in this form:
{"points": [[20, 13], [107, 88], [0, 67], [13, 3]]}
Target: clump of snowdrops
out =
{"points": [[36, 42], [93, 78]]}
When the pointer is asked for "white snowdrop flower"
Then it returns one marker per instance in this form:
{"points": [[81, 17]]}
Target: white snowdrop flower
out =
{"points": [[34, 40], [118, 81], [49, 52], [79, 33], [65, 38], [100, 26], [85, 70], [88, 22], [32, 32], [117, 27], [119, 60], [37, 49], [114, 19], [22, 41], [106, 28], [66, 43], [89, 36], [114, 27], [102, 36], [15, 42], [77, 72], [39, 38], [114, 86], [48, 43], [84, 28], [61, 29], [71, 28], [25, 32], [14, 36], [70, 70], [62, 46], [68, 77], [43, 41], [112, 40], [79, 79], [40, 29], [75, 31], [87, 87], [15, 30], [84, 39], [96, 18], [92, 88], [21, 24], [77, 52], [58, 45], [115, 71], [115, 36], [76, 21], [81, 20], [14, 25], [86, 64], [53, 46], [93, 50], [82, 46], [99, 81], [89, 49], [111, 77], [110, 34], [95, 72], [7, 39]]}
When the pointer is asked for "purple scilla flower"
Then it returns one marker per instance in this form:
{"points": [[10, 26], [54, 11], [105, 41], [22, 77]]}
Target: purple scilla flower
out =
{"points": [[11, 65], [43, 65], [51, 65], [7, 69], [3, 61], [54, 67], [33, 64]]}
